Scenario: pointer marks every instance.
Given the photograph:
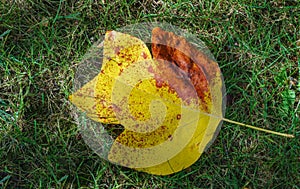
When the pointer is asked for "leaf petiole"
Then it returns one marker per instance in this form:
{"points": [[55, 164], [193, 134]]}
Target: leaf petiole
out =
{"points": [[259, 129]]}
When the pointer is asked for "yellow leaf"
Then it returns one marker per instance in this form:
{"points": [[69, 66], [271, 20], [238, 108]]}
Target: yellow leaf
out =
{"points": [[171, 105], [164, 131]]}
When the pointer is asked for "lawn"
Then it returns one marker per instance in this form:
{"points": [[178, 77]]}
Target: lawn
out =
{"points": [[256, 43]]}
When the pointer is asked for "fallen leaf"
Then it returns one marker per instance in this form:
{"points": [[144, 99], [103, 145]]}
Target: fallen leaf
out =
{"points": [[171, 105]]}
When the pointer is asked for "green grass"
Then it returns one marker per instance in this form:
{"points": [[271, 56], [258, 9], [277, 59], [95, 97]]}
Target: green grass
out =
{"points": [[256, 44]]}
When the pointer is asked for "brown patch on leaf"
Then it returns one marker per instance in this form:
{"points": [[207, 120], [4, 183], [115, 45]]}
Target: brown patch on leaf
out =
{"points": [[168, 75], [196, 65]]}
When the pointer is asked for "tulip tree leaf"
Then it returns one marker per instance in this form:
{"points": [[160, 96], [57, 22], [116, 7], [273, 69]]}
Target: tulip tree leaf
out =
{"points": [[170, 102]]}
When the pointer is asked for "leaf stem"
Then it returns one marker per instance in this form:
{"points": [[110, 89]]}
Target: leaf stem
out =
{"points": [[259, 129]]}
